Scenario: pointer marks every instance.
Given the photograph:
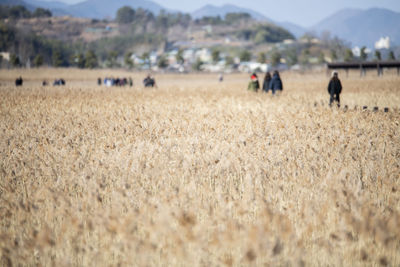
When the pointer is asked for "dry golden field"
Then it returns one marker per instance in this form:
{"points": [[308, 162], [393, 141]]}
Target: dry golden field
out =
{"points": [[198, 173]]}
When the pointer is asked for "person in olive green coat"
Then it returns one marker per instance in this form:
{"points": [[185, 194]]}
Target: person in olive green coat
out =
{"points": [[254, 85]]}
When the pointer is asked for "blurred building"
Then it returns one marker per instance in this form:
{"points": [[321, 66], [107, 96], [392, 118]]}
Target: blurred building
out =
{"points": [[383, 43]]}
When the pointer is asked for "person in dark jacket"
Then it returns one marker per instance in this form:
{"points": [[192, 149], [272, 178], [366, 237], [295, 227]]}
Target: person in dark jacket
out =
{"points": [[19, 81], [267, 80], [254, 85], [334, 89], [276, 83]]}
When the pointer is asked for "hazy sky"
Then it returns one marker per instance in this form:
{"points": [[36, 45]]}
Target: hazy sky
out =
{"points": [[302, 12]]}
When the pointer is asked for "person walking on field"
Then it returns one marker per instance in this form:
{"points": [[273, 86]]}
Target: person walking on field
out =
{"points": [[149, 81], [334, 89], [254, 85], [276, 83], [267, 80]]}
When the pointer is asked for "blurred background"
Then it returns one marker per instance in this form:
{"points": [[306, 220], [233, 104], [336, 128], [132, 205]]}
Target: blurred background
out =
{"points": [[171, 36]]}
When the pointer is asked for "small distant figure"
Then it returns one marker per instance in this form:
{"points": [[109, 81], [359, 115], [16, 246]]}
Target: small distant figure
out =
{"points": [[108, 82], [19, 81], [44, 83], [334, 89], [99, 81], [267, 80], [221, 77], [254, 85], [130, 82], [58, 82], [276, 83], [149, 81]]}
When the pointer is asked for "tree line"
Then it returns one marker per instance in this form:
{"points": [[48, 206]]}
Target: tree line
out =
{"points": [[21, 12], [363, 56]]}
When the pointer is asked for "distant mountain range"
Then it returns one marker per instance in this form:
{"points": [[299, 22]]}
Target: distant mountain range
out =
{"points": [[17, 3], [357, 26], [360, 27], [99, 9], [46, 4]]}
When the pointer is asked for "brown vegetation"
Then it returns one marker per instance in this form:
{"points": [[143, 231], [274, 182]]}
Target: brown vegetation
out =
{"points": [[197, 172]]}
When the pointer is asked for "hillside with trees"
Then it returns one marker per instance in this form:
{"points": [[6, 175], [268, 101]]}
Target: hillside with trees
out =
{"points": [[58, 41], [139, 38]]}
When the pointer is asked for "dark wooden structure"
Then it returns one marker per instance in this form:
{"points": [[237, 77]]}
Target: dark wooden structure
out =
{"points": [[364, 65]]}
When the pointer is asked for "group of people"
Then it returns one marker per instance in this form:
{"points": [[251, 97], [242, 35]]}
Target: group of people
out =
{"points": [[110, 81], [149, 81], [58, 82], [116, 81], [273, 83]]}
